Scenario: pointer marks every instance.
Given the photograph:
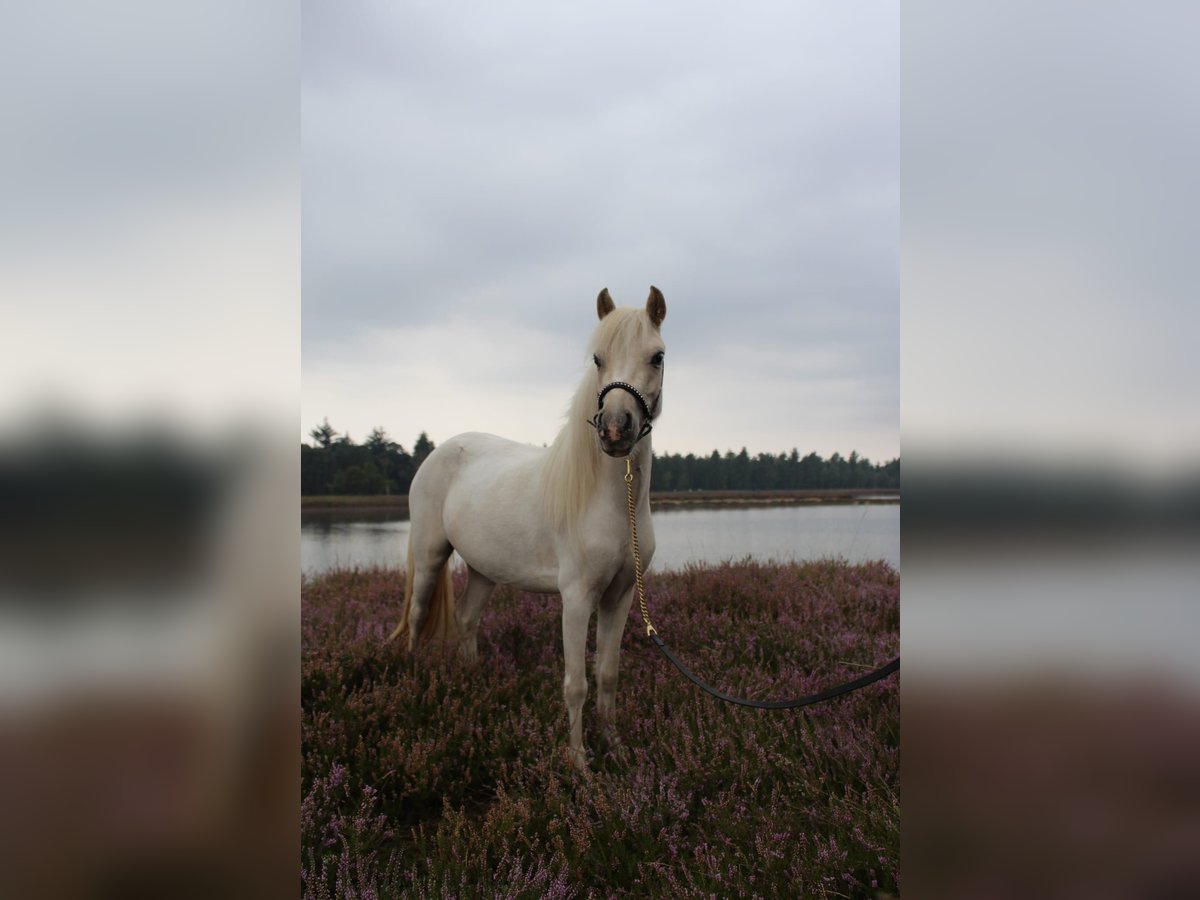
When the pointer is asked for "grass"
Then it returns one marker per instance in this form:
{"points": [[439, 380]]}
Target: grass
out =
{"points": [[425, 777]]}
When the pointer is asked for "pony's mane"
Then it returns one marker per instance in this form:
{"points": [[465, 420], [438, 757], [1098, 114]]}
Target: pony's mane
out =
{"points": [[569, 473]]}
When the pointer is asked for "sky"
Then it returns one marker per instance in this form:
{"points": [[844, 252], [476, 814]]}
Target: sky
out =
{"points": [[474, 174]]}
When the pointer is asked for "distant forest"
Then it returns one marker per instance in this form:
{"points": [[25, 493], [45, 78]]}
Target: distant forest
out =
{"points": [[338, 465]]}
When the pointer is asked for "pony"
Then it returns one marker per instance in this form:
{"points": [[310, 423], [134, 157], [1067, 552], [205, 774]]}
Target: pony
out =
{"points": [[548, 520]]}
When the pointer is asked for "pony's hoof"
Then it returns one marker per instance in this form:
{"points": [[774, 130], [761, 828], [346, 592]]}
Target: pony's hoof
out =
{"points": [[469, 656], [613, 747], [578, 758]]}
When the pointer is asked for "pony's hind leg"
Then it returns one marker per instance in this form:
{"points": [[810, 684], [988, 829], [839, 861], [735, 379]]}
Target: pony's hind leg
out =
{"points": [[430, 578], [470, 607]]}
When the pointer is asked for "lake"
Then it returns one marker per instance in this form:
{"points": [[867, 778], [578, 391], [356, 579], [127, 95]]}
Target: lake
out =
{"points": [[853, 531]]}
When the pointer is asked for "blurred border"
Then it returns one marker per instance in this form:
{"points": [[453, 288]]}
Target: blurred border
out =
{"points": [[149, 572], [1051, 507]]}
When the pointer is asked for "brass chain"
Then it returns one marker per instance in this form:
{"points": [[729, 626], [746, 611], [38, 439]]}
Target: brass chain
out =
{"points": [[637, 554]]}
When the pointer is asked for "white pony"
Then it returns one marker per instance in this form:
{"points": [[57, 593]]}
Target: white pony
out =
{"points": [[548, 519]]}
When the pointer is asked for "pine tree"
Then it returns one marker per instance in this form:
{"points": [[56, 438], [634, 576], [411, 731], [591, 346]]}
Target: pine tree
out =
{"points": [[323, 434], [422, 448]]}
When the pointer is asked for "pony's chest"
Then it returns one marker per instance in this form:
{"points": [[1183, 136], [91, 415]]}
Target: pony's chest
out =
{"points": [[608, 544]]}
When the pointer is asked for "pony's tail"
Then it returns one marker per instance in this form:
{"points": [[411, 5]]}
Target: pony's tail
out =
{"points": [[441, 623]]}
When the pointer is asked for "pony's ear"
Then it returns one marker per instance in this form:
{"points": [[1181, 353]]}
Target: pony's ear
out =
{"points": [[656, 306], [604, 304]]}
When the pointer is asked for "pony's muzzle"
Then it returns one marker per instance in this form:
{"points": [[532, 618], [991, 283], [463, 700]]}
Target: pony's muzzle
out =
{"points": [[617, 428], [616, 431], [614, 422]]}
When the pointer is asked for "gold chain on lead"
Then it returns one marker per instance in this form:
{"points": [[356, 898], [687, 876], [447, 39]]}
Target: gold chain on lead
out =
{"points": [[637, 554]]}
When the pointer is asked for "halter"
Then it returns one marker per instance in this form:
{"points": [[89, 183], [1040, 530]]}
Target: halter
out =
{"points": [[637, 395]]}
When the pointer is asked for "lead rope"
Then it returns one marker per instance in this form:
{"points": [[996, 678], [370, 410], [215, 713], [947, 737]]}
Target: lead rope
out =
{"points": [[637, 554], [844, 688]]}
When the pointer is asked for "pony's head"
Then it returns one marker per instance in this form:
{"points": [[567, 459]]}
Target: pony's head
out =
{"points": [[627, 351]]}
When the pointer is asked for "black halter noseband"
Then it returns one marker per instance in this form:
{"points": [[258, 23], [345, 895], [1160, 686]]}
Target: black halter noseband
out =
{"points": [[637, 395]]}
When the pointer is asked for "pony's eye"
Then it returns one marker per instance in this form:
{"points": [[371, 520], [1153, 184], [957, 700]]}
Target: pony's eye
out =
{"points": [[657, 359], [596, 360]]}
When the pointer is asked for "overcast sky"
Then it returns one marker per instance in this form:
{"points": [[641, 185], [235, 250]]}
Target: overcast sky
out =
{"points": [[474, 174]]}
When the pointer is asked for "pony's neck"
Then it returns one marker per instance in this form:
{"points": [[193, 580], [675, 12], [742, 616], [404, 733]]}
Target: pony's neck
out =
{"points": [[610, 473]]}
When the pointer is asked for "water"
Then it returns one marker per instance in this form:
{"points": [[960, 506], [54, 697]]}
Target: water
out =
{"points": [[855, 532]]}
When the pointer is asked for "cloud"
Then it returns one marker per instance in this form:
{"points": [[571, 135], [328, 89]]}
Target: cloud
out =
{"points": [[510, 163]]}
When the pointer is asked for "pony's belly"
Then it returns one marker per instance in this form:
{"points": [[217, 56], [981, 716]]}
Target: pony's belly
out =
{"points": [[541, 585], [491, 513], [507, 549], [513, 569]]}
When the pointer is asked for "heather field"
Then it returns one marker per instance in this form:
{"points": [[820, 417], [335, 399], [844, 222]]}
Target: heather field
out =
{"points": [[425, 777]]}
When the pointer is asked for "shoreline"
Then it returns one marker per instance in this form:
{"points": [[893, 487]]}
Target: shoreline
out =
{"points": [[397, 504]]}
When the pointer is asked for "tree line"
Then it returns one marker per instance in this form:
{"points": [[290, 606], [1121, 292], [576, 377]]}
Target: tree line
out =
{"points": [[766, 472], [336, 464]]}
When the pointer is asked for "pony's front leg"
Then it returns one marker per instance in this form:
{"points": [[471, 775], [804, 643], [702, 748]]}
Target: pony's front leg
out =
{"points": [[577, 611], [610, 625]]}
